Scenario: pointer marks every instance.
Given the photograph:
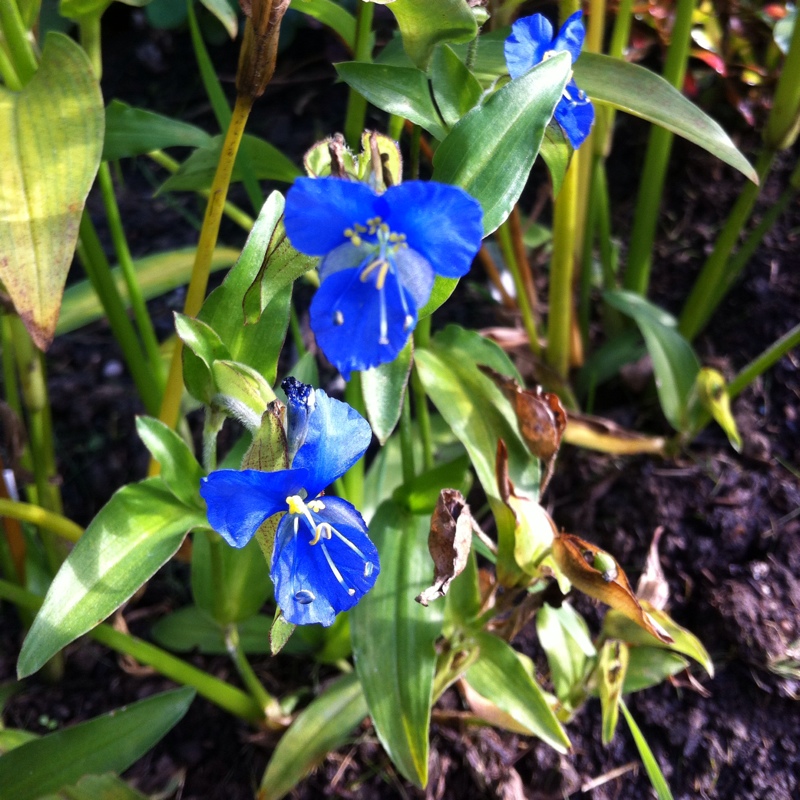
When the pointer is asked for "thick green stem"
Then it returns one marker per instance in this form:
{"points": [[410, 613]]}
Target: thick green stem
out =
{"points": [[356, 114], [659, 146], [706, 293], [42, 518], [20, 49], [266, 702]]}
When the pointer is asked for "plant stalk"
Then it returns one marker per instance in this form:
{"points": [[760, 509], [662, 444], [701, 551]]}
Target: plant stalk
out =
{"points": [[356, 113]]}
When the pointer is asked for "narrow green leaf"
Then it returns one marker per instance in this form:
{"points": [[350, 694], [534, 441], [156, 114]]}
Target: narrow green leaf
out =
{"points": [[393, 640], [323, 726], [111, 742], [384, 389], [280, 632], [649, 666], [645, 94], [424, 24], [203, 348], [499, 676], [332, 15], [134, 131], [648, 759], [225, 13], [442, 289], [674, 361], [455, 88], [11, 738], [403, 91], [52, 140], [180, 470], [419, 496], [98, 787], [197, 172], [135, 533], [556, 152], [612, 667], [507, 129]]}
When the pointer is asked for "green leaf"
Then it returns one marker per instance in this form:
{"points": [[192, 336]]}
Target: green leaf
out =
{"points": [[648, 759], [403, 91], [442, 289], [507, 129], [612, 667], [455, 88], [11, 738], [393, 640], [424, 24], [711, 392], [244, 577], [136, 532], [156, 274], [241, 392], [649, 666], [325, 725], [180, 470], [52, 142], [205, 344], [280, 632], [189, 629], [225, 13], [384, 389], [111, 742], [556, 152], [197, 172], [419, 495], [98, 787], [499, 676], [641, 92], [134, 131], [674, 361], [332, 15]]}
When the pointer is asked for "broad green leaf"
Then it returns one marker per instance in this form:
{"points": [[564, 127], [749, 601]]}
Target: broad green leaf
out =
{"points": [[645, 94], [332, 15], [136, 532], [52, 140], [463, 601], [674, 361], [109, 743], [156, 274], [649, 666], [180, 470], [393, 640], [499, 676], [190, 629], [324, 725], [75, 9], [506, 130], [241, 392], [203, 348], [648, 759], [442, 289], [403, 91], [225, 13], [11, 738], [455, 88], [244, 578], [424, 24], [134, 131], [384, 389], [197, 172], [98, 787], [420, 495], [556, 152]]}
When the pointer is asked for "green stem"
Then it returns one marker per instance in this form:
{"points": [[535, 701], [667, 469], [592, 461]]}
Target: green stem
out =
{"points": [[422, 337], [297, 333], [416, 137], [42, 518], [96, 266], [19, 47], [143, 321], [504, 239], [762, 363], [353, 479], [89, 27], [705, 295], [619, 41], [356, 114], [659, 146], [784, 117], [266, 702], [8, 73], [407, 441]]}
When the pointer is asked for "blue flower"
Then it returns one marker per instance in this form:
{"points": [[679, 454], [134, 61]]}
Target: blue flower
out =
{"points": [[531, 42], [381, 253], [323, 561]]}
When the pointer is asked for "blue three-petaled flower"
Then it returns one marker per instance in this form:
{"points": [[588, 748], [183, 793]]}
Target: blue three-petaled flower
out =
{"points": [[381, 253], [323, 561], [531, 42]]}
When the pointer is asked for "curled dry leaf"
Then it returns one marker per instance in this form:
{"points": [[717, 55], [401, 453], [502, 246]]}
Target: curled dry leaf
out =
{"points": [[449, 542], [596, 433], [540, 416], [653, 587], [596, 573]]}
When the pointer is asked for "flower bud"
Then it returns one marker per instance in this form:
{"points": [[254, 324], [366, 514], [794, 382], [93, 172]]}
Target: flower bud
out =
{"points": [[259, 45]]}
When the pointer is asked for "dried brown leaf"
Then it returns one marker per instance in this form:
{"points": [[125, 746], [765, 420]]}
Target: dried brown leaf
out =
{"points": [[596, 433]]}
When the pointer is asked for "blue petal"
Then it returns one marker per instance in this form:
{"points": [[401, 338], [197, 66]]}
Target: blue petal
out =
{"points": [[575, 118], [415, 275], [337, 437], [530, 39], [239, 501], [442, 223], [299, 406], [318, 210], [346, 320], [345, 256], [300, 567], [571, 35]]}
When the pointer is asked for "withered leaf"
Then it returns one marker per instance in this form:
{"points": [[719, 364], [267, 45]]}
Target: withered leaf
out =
{"points": [[449, 543], [653, 587], [605, 436], [596, 573]]}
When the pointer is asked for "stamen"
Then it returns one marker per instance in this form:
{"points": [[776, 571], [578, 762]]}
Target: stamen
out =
{"points": [[382, 275], [370, 268], [349, 544], [338, 318], [316, 506], [305, 596], [335, 571]]}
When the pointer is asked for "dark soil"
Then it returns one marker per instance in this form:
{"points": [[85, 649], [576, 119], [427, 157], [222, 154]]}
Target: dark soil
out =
{"points": [[730, 547]]}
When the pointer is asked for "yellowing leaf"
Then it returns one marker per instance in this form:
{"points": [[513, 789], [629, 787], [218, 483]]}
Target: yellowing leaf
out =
{"points": [[52, 139]]}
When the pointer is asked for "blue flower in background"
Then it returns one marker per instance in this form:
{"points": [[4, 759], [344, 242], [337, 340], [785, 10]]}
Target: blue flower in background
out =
{"points": [[381, 253], [531, 42], [323, 561]]}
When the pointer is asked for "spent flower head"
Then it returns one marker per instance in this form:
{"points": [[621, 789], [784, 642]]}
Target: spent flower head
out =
{"points": [[323, 561], [381, 254], [531, 42]]}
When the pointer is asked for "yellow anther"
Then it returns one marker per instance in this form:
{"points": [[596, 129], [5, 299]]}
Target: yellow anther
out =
{"points": [[316, 506], [296, 504], [370, 268], [382, 275]]}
